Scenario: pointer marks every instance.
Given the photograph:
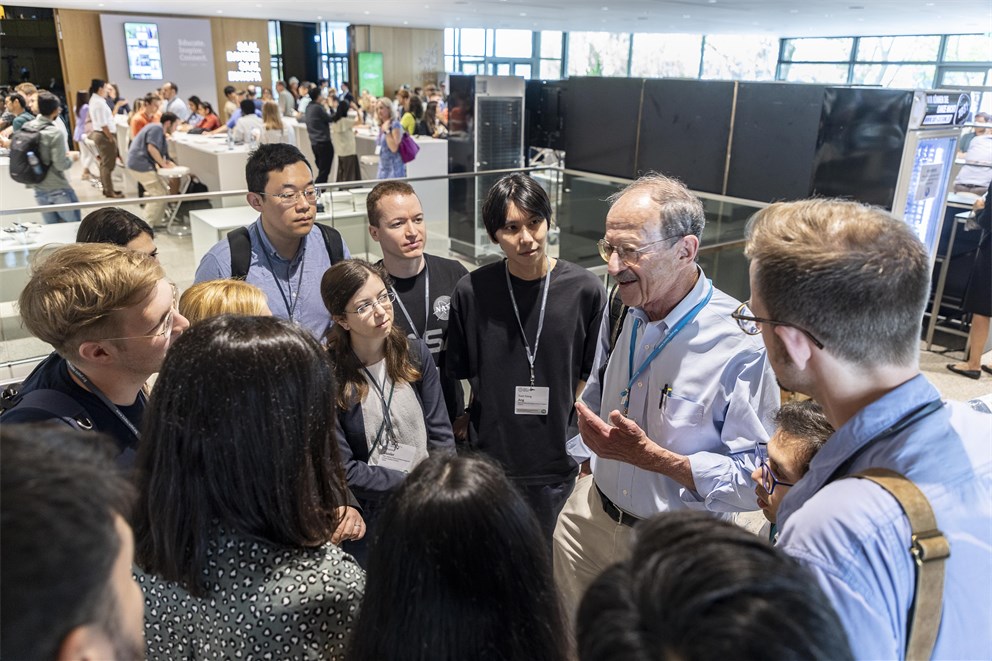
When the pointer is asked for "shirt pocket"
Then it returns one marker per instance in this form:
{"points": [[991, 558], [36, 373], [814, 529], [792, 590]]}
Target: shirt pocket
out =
{"points": [[679, 420]]}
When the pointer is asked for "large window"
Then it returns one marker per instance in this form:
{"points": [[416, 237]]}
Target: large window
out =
{"points": [[334, 53], [666, 55], [599, 54], [275, 51], [739, 57], [916, 61]]}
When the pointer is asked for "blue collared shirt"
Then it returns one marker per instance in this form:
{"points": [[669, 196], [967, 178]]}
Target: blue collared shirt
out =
{"points": [[312, 257], [855, 538], [723, 396]]}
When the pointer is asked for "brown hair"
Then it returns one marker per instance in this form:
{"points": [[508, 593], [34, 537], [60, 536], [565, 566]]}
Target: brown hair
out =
{"points": [[381, 190], [339, 284], [271, 116], [216, 297], [75, 291], [850, 274]]}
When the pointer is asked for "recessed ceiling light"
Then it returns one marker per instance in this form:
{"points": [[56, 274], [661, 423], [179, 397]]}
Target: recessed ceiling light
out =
{"points": [[367, 12], [605, 8], [523, 13], [320, 18], [220, 11], [406, 22], [686, 16], [712, 2], [793, 11]]}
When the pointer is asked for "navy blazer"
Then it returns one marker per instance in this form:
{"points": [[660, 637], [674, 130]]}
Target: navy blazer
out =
{"points": [[375, 482]]}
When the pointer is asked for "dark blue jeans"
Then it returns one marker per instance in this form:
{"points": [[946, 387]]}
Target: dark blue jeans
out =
{"points": [[547, 501]]}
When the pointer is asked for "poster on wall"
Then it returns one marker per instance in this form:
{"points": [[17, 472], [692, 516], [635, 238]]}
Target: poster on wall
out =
{"points": [[144, 57], [370, 73]]}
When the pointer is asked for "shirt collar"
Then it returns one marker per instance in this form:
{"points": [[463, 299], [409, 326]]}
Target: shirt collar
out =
{"points": [[695, 295], [271, 251], [866, 425]]}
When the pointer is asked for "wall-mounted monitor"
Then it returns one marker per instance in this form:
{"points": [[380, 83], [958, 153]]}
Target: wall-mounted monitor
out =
{"points": [[144, 57]]}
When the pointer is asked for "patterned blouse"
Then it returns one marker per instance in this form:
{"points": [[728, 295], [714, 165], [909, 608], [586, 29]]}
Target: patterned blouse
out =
{"points": [[263, 601], [391, 165]]}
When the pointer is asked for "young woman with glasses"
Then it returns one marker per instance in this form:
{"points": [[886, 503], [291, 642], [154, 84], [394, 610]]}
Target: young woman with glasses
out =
{"points": [[389, 399]]}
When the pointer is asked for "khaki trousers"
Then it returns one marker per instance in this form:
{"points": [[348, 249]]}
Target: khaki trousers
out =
{"points": [[586, 541], [107, 150], [154, 211]]}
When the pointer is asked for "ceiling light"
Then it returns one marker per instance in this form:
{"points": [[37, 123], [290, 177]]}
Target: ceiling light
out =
{"points": [[523, 13], [793, 11], [605, 8], [220, 11], [686, 16]]}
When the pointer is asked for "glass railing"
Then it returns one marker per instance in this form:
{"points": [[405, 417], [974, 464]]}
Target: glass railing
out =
{"points": [[202, 219]]}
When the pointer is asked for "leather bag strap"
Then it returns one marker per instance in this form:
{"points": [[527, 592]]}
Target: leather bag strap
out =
{"points": [[929, 548]]}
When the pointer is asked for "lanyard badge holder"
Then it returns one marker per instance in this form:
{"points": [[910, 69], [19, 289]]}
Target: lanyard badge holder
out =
{"points": [[392, 455], [532, 399], [635, 374]]}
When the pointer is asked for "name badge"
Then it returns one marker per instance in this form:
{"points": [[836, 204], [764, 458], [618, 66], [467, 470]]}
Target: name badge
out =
{"points": [[378, 149], [531, 400], [397, 457]]}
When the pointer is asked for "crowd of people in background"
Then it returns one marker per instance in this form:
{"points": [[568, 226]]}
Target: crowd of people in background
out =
{"points": [[253, 115], [407, 460]]}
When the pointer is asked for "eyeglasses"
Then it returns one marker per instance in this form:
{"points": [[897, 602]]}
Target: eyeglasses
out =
{"points": [[628, 256], [768, 479], [287, 199], [383, 300], [166, 327], [752, 325]]}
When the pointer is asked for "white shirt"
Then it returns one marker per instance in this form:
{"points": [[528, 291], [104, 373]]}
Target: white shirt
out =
{"points": [[100, 114], [723, 396], [178, 107]]}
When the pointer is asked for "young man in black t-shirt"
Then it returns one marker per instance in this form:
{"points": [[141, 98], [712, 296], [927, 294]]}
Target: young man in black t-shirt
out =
{"points": [[524, 332], [423, 283]]}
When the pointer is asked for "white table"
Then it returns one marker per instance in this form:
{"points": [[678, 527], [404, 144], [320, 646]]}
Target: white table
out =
{"points": [[303, 141], [14, 195], [431, 161], [217, 166], [17, 249]]}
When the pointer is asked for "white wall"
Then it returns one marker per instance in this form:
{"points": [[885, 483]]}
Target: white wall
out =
{"points": [[192, 71]]}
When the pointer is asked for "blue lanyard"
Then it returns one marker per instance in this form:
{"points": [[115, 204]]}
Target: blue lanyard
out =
{"points": [[682, 323]]}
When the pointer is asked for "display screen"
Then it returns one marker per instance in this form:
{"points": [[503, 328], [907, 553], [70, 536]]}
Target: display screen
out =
{"points": [[144, 58]]}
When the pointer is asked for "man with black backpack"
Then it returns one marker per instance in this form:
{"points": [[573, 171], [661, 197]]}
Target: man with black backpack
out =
{"points": [[40, 157], [284, 253]]}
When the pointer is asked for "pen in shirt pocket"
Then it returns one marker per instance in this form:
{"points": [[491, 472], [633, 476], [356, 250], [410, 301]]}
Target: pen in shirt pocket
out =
{"points": [[666, 392]]}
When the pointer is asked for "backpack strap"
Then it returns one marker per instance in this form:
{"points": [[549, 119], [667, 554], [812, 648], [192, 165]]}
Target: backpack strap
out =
{"points": [[240, 244], [929, 548], [332, 241], [49, 401], [618, 312]]}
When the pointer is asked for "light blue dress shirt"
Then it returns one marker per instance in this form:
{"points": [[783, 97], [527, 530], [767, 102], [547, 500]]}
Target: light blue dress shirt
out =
{"points": [[723, 397], [855, 537], [312, 257]]}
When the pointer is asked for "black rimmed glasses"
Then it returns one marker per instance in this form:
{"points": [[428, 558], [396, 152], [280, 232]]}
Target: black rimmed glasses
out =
{"points": [[628, 256], [166, 327], [752, 325], [290, 198], [768, 479], [384, 299]]}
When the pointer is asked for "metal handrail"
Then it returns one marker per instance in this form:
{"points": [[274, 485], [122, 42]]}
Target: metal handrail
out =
{"points": [[189, 197]]}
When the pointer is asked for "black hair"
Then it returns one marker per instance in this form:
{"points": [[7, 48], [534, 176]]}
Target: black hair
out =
{"points": [[459, 569], [168, 117], [239, 433], [173, 86], [96, 85], [340, 112], [229, 88], [47, 103], [416, 107], [206, 104], [16, 96], [195, 100], [522, 192], [314, 93], [270, 158], [247, 107], [691, 575], [112, 225], [61, 493]]}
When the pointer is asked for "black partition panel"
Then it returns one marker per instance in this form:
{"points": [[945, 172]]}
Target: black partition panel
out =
{"points": [[774, 141], [685, 125], [601, 124], [859, 148], [545, 113]]}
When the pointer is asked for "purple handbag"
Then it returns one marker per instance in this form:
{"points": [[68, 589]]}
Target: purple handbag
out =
{"points": [[408, 148]]}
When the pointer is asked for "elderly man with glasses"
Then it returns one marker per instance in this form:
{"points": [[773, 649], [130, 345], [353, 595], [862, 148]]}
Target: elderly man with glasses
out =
{"points": [[111, 315], [284, 253], [671, 421]]}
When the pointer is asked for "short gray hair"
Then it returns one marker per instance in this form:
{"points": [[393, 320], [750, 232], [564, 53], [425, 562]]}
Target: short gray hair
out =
{"points": [[679, 211]]}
